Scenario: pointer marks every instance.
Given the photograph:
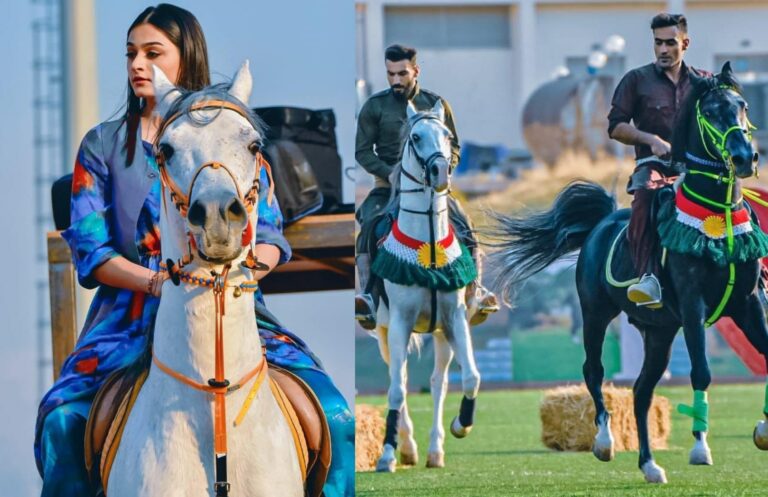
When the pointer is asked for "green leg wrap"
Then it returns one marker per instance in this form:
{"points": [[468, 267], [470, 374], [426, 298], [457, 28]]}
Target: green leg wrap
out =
{"points": [[700, 410], [765, 402]]}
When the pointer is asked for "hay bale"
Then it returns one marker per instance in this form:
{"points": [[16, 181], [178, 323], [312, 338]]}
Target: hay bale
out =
{"points": [[369, 433], [567, 419]]}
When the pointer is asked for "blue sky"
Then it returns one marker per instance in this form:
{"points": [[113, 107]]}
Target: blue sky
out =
{"points": [[301, 53]]}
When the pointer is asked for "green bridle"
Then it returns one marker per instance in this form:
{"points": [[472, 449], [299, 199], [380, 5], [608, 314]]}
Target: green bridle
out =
{"points": [[716, 137]]}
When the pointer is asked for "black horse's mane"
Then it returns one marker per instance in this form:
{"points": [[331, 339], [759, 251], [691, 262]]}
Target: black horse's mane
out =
{"points": [[700, 85]]}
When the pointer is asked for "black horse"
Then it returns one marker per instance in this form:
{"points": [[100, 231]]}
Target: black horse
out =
{"points": [[713, 140]]}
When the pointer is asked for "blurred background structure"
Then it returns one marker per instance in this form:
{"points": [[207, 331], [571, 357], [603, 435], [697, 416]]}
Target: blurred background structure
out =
{"points": [[65, 74], [530, 83]]}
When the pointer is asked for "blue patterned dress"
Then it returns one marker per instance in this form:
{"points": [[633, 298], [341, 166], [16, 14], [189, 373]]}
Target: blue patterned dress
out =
{"points": [[119, 322]]}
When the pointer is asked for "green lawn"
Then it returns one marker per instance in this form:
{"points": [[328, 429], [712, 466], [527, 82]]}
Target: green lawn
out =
{"points": [[503, 455]]}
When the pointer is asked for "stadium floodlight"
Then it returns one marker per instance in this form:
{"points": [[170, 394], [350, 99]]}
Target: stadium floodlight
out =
{"points": [[614, 44], [596, 61]]}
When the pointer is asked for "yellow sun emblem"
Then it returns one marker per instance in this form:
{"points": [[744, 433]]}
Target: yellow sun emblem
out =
{"points": [[424, 256], [714, 227]]}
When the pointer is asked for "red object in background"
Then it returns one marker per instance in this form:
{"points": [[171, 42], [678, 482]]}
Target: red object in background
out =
{"points": [[728, 329]]}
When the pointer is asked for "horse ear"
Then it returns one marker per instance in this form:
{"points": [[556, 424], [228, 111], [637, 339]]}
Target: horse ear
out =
{"points": [[726, 70], [242, 83], [439, 109], [165, 91], [410, 110]]}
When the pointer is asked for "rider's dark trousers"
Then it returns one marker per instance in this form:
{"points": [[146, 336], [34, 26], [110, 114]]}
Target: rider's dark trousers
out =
{"points": [[641, 232]]}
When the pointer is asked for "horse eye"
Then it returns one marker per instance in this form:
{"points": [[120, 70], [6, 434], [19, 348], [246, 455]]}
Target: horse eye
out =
{"points": [[415, 138], [166, 151], [254, 147]]}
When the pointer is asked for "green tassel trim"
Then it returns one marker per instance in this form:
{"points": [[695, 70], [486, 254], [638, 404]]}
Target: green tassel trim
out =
{"points": [[458, 274], [699, 411], [683, 239]]}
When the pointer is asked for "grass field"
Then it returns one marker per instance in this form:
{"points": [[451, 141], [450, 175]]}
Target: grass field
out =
{"points": [[504, 457]]}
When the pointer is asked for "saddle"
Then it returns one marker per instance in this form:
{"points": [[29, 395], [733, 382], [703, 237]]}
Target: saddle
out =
{"points": [[301, 408]]}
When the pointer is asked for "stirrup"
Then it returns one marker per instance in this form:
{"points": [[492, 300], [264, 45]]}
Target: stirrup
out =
{"points": [[487, 305], [365, 312], [641, 296]]}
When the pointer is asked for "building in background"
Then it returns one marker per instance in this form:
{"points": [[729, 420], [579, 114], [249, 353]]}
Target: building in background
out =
{"points": [[488, 58]]}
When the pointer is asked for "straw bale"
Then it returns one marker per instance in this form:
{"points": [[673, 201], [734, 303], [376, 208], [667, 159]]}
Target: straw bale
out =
{"points": [[369, 433], [567, 419]]}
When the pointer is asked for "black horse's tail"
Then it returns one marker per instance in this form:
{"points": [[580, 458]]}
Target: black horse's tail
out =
{"points": [[525, 245]]}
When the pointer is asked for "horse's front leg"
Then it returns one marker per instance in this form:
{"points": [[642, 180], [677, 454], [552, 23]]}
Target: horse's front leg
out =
{"points": [[439, 387], [693, 315], [400, 327], [752, 323], [457, 332]]}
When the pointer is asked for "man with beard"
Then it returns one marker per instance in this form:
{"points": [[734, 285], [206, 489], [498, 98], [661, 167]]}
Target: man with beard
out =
{"points": [[378, 148], [650, 97]]}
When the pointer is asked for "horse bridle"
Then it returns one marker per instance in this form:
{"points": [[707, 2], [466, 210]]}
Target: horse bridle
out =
{"points": [[178, 196], [426, 169], [219, 385], [181, 199]]}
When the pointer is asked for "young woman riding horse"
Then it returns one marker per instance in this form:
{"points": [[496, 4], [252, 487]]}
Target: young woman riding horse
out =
{"points": [[711, 264], [115, 243]]}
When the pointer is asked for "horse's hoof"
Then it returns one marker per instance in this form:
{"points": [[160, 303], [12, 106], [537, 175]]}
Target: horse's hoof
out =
{"points": [[409, 459], [387, 462], [459, 431], [700, 455], [602, 448], [653, 472], [604, 454], [760, 435], [436, 460]]}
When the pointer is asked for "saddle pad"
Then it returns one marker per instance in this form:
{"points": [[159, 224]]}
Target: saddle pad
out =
{"points": [[116, 427], [313, 424], [108, 405]]}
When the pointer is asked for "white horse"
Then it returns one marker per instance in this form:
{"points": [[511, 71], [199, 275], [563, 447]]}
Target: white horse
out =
{"points": [[167, 448], [422, 242]]}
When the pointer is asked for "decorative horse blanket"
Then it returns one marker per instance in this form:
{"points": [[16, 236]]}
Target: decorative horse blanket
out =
{"points": [[407, 261], [689, 228]]}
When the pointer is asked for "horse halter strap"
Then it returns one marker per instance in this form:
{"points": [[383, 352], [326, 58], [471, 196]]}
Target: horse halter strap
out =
{"points": [[181, 198], [716, 137], [424, 163]]}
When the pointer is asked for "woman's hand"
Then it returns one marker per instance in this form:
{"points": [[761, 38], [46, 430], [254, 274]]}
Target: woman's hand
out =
{"points": [[266, 254]]}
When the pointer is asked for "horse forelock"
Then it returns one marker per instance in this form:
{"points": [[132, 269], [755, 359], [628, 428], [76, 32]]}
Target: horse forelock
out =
{"points": [[182, 107]]}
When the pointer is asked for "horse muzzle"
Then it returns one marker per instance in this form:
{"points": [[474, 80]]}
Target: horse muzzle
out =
{"points": [[216, 222]]}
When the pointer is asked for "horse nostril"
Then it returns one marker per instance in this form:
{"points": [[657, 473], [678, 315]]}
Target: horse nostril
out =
{"points": [[196, 214], [434, 170], [755, 158], [235, 211]]}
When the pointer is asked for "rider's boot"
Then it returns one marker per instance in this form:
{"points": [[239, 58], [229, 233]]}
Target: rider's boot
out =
{"points": [[646, 292], [487, 303], [365, 309]]}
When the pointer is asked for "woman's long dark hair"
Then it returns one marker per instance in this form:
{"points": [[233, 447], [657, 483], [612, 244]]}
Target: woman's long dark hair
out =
{"points": [[182, 28]]}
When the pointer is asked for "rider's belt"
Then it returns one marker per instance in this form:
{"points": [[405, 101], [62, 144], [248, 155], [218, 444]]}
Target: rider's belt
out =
{"points": [[653, 158]]}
